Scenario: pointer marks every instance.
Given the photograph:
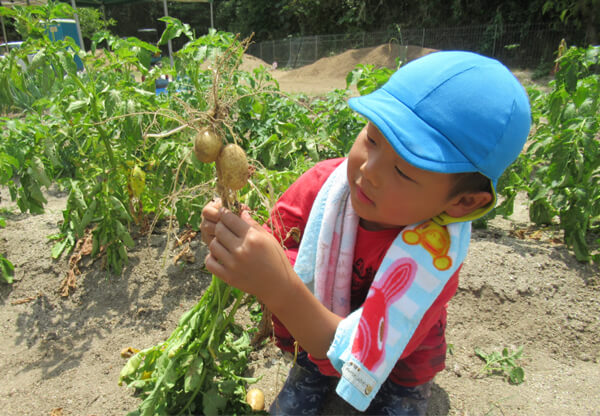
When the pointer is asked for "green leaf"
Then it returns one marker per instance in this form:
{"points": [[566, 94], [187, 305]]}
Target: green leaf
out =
{"points": [[171, 374], [580, 246], [77, 105], [581, 95], [213, 403], [58, 248], [174, 29], [7, 269], [120, 209], [517, 375], [123, 234], [89, 214], [131, 367], [150, 406], [541, 212], [555, 107], [122, 253], [37, 197], [38, 172], [227, 387], [193, 376], [67, 62]]}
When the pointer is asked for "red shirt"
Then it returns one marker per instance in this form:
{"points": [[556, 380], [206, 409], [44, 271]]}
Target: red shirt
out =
{"points": [[425, 353]]}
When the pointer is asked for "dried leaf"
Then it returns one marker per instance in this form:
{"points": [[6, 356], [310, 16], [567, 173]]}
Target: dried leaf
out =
{"points": [[128, 352]]}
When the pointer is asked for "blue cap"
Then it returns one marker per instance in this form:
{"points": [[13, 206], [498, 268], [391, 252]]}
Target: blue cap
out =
{"points": [[451, 112]]}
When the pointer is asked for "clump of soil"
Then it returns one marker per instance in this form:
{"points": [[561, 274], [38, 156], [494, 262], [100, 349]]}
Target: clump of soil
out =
{"points": [[519, 286]]}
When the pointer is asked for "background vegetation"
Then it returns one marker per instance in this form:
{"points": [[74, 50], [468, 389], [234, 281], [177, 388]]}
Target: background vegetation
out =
{"points": [[271, 20], [122, 151]]}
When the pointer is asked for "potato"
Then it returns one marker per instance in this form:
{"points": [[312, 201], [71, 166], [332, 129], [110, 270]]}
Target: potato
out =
{"points": [[207, 145], [232, 167], [256, 399]]}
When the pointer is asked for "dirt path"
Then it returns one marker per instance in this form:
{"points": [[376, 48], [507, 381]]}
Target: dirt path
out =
{"points": [[519, 287]]}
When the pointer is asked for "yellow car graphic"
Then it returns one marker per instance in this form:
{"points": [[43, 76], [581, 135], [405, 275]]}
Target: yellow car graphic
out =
{"points": [[435, 239]]}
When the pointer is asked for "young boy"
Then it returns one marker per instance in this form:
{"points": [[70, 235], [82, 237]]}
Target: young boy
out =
{"points": [[383, 234]]}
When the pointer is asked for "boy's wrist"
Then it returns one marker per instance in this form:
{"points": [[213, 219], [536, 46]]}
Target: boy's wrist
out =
{"points": [[281, 297]]}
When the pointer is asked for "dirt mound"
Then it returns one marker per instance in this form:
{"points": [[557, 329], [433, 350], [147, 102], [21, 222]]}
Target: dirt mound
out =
{"points": [[250, 62], [339, 65], [329, 73]]}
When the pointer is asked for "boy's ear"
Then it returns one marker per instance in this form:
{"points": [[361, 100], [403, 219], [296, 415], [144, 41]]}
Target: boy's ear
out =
{"points": [[466, 203]]}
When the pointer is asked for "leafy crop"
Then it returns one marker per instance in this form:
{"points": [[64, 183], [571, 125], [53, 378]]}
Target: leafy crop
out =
{"points": [[368, 78], [560, 169], [6, 267], [197, 369], [504, 364], [90, 131]]}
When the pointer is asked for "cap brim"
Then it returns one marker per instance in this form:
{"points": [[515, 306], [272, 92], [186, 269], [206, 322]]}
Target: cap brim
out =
{"points": [[413, 139]]}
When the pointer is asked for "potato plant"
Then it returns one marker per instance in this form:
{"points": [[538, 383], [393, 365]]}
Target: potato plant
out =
{"points": [[560, 169], [199, 367]]}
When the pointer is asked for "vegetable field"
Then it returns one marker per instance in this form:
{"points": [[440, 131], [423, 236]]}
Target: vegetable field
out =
{"points": [[100, 204]]}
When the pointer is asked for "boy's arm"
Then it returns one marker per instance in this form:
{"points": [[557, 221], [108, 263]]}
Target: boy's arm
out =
{"points": [[248, 257]]}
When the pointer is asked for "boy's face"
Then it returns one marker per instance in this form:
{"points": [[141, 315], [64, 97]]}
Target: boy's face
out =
{"points": [[388, 192]]}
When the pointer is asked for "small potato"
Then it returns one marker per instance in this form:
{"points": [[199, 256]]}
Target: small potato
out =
{"points": [[232, 167], [207, 145], [256, 399]]}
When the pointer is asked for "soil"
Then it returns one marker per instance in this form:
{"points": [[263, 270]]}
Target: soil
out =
{"points": [[520, 287]]}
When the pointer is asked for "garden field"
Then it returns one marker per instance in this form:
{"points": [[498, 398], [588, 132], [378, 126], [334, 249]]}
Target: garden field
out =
{"points": [[520, 287], [100, 197]]}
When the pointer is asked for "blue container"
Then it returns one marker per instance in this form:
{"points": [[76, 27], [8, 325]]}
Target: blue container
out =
{"points": [[59, 29]]}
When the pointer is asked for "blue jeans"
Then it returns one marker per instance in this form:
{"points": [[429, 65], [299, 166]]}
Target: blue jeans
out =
{"points": [[307, 392]]}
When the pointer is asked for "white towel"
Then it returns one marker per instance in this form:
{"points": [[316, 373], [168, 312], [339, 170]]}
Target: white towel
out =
{"points": [[415, 269]]}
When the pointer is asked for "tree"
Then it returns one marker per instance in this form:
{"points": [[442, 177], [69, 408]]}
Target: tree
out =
{"points": [[584, 14]]}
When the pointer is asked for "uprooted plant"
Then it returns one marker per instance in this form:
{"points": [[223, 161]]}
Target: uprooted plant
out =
{"points": [[198, 368]]}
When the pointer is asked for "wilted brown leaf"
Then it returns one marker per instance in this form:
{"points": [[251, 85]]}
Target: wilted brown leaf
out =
{"points": [[129, 352]]}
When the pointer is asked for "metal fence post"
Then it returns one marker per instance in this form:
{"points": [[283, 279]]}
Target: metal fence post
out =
{"points": [[423, 39]]}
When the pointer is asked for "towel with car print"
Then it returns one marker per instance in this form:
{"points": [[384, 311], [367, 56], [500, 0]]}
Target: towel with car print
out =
{"points": [[416, 267]]}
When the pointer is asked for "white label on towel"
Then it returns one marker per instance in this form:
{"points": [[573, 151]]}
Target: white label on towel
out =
{"points": [[358, 377]]}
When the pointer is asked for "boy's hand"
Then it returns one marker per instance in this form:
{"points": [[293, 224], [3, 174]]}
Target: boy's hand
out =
{"points": [[210, 217], [247, 256]]}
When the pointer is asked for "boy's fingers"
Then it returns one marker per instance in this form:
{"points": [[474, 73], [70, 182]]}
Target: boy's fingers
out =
{"points": [[219, 252], [226, 237], [207, 231], [211, 213], [234, 223], [245, 215], [212, 265]]}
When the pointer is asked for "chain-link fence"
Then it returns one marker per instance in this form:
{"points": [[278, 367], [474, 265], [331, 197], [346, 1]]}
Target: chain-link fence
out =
{"points": [[515, 45]]}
